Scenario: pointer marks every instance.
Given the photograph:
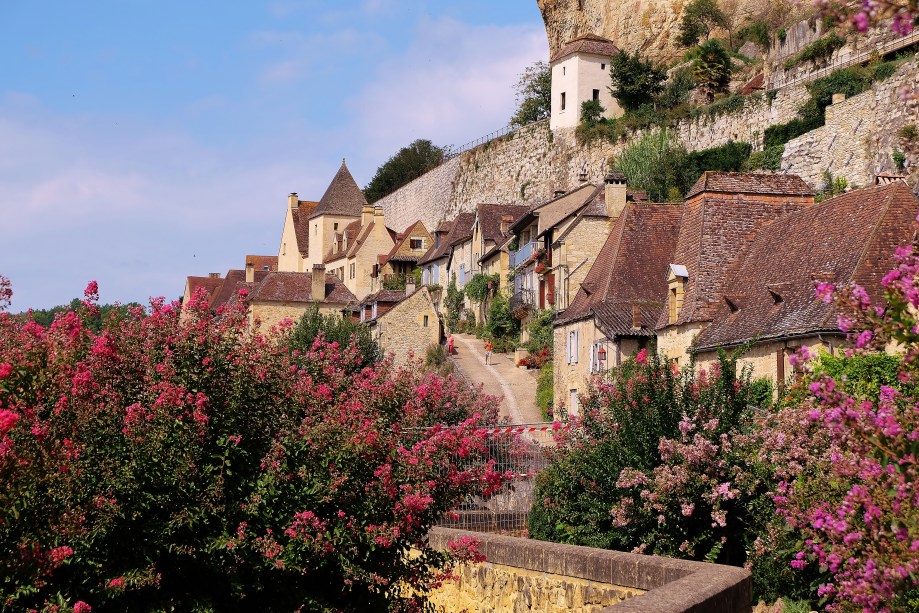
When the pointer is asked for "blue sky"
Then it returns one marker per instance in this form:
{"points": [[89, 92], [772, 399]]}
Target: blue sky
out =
{"points": [[142, 141]]}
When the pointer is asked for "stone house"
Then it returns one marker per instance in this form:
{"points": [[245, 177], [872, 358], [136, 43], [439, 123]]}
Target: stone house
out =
{"points": [[403, 258], [355, 251], [617, 306], [460, 264], [769, 302], [722, 215], [581, 72], [434, 262], [309, 234], [491, 235], [210, 285], [404, 323], [295, 236], [288, 295]]}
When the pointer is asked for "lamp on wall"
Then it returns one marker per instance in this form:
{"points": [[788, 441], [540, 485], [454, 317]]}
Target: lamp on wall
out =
{"points": [[602, 354]]}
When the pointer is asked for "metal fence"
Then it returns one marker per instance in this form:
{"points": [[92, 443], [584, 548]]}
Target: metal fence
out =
{"points": [[523, 451], [452, 153]]}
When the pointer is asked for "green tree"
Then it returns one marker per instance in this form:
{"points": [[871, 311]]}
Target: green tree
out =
{"points": [[591, 112], [534, 94], [404, 167], [699, 17], [501, 323], [334, 329], [712, 68], [635, 81], [656, 162]]}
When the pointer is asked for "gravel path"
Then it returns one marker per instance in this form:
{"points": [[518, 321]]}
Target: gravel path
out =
{"points": [[515, 386]]}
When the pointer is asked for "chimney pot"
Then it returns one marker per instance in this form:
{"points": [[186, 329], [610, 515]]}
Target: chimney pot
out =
{"points": [[293, 201], [318, 283], [615, 194], [409, 286], [636, 316], [250, 271], [214, 275]]}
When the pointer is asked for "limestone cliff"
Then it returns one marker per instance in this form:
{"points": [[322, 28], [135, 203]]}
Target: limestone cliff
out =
{"points": [[651, 26]]}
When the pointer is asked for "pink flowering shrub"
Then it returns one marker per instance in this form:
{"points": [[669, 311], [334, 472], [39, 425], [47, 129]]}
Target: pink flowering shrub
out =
{"points": [[660, 464], [904, 14], [858, 516], [182, 463]]}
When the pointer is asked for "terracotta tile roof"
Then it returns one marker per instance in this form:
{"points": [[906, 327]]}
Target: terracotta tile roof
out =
{"points": [[750, 183], [491, 216], [630, 270], [589, 43], [232, 283], [342, 197], [460, 230], [444, 227], [263, 262], [757, 83], [559, 209], [211, 286], [715, 233], [298, 287], [300, 217], [849, 239], [384, 295]]}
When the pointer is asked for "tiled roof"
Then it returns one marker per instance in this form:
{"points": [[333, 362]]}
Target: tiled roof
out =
{"points": [[444, 227], [715, 233], [750, 183], [490, 219], [630, 270], [352, 231], [342, 197], [231, 286], [460, 230], [211, 286], [263, 262], [384, 295], [416, 230], [849, 239], [300, 217], [558, 209], [589, 43], [297, 287]]}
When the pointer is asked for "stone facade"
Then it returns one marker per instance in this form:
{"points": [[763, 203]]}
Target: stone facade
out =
{"points": [[859, 136], [409, 328], [269, 314], [576, 254], [427, 199], [360, 262], [518, 590]]}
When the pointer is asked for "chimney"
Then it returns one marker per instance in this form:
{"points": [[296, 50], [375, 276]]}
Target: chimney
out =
{"points": [[378, 212], [318, 288], [636, 316], [213, 275], [367, 215], [409, 286], [615, 194], [293, 201], [250, 271], [506, 221]]}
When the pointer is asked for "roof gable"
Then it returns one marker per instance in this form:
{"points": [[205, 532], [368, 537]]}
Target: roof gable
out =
{"points": [[757, 183], [460, 230], [300, 219], [343, 197], [590, 44], [490, 219]]}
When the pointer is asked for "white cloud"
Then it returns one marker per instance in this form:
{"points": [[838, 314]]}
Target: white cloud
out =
{"points": [[453, 85]]}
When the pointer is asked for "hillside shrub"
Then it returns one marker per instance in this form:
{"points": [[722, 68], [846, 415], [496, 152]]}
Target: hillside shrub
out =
{"points": [[656, 162], [769, 158], [186, 463], [729, 157], [635, 81], [817, 51], [712, 68]]}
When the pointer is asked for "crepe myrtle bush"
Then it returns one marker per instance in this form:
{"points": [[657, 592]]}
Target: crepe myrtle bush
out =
{"points": [[863, 526], [658, 464], [177, 461]]}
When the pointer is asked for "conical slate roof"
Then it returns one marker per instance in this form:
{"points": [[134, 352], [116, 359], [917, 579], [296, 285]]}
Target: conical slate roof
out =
{"points": [[343, 196]]}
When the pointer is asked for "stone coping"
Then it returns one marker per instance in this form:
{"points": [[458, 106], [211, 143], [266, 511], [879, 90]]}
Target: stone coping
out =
{"points": [[672, 586]]}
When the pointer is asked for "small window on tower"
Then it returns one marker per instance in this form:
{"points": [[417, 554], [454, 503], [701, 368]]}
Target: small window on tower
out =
{"points": [[602, 66], [335, 225], [597, 95], [563, 101]]}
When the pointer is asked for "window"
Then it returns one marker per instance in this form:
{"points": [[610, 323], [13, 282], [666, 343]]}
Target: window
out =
{"points": [[425, 321], [352, 271], [563, 71], [573, 409], [416, 243], [335, 225], [283, 248], [602, 66], [563, 101], [572, 347], [596, 95], [315, 229]]}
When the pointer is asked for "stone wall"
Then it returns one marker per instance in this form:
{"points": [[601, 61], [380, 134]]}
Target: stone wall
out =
{"points": [[402, 330], [426, 198], [527, 575], [859, 136]]}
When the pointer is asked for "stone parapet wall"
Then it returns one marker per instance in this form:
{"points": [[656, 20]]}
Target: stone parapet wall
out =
{"points": [[426, 198], [859, 136], [521, 572]]}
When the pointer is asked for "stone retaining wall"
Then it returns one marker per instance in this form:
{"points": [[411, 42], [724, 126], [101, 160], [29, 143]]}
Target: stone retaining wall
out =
{"points": [[528, 575]]}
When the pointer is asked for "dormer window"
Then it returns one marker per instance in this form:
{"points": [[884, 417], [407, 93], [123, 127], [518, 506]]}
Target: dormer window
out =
{"points": [[416, 243], [776, 297], [732, 305], [676, 290]]}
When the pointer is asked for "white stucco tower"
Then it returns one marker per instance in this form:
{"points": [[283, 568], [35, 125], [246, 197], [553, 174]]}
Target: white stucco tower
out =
{"points": [[580, 72]]}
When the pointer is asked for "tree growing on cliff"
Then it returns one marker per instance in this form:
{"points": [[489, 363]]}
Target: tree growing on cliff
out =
{"points": [[405, 166], [712, 68], [534, 94], [635, 81], [699, 17]]}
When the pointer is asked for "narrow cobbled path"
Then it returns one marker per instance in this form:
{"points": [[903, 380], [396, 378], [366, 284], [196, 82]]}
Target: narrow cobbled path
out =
{"points": [[515, 386]]}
